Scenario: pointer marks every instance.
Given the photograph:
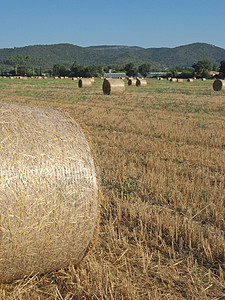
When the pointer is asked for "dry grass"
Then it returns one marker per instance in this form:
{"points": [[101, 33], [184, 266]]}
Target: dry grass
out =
{"points": [[160, 151]]}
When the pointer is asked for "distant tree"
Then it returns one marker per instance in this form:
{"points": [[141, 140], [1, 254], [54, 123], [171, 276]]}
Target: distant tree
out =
{"points": [[59, 70], [222, 68], [202, 68], [77, 70], [144, 69], [21, 70], [130, 70], [172, 72], [215, 67]]}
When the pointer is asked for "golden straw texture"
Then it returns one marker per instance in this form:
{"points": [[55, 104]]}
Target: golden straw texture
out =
{"points": [[48, 192], [141, 82], [113, 87], [132, 81], [84, 83], [219, 85]]}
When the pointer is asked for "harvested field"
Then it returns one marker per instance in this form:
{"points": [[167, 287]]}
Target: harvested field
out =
{"points": [[160, 151]]}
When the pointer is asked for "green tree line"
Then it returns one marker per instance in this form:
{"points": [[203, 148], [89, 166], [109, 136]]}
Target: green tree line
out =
{"points": [[22, 67]]}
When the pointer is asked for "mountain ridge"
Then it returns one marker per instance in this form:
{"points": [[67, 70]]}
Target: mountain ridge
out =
{"points": [[46, 56]]}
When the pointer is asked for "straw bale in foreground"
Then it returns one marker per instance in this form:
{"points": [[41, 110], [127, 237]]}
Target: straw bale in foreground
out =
{"points": [[48, 192], [219, 85], [141, 82], [113, 87], [84, 83]]}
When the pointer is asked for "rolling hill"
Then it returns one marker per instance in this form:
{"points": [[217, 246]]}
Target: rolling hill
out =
{"points": [[46, 56]]}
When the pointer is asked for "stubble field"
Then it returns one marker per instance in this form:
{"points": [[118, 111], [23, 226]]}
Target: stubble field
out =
{"points": [[160, 152]]}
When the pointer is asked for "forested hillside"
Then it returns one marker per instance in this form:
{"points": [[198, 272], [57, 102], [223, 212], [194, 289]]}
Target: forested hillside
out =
{"points": [[46, 56]]}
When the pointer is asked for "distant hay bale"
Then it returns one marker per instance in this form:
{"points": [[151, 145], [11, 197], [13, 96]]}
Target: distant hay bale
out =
{"points": [[173, 79], [11, 77], [219, 85], [194, 78], [66, 77], [49, 192], [24, 78], [61, 77], [92, 79], [179, 80], [45, 77], [56, 77], [84, 83], [74, 78], [160, 78], [113, 87], [168, 78], [132, 82], [203, 79], [141, 82], [190, 80]]}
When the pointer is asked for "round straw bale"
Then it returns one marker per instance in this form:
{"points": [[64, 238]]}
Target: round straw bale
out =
{"points": [[190, 80], [203, 79], [49, 192], [92, 79], [74, 78], [56, 77], [84, 83], [113, 86], [24, 78], [168, 78], [141, 82], [11, 77], [160, 78], [173, 79], [179, 80], [219, 85], [132, 81]]}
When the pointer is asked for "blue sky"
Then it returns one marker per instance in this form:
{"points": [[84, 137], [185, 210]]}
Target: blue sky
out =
{"points": [[145, 23]]}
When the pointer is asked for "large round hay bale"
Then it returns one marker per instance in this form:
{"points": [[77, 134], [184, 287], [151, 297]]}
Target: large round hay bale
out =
{"points": [[179, 80], [190, 80], [173, 79], [49, 192], [141, 82], [84, 83], [203, 79], [132, 81], [219, 85], [113, 86]]}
